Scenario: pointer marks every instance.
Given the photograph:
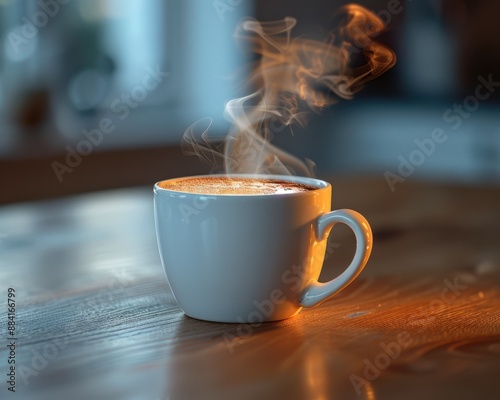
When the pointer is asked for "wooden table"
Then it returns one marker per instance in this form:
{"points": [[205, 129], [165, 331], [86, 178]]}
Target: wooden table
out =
{"points": [[95, 318]]}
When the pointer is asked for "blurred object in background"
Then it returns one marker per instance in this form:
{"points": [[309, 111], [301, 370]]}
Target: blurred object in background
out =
{"points": [[91, 58], [144, 71], [428, 51]]}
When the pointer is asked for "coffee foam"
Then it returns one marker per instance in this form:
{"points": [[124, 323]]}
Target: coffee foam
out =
{"points": [[235, 186]]}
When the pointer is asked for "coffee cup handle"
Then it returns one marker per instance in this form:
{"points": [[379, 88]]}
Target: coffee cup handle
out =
{"points": [[315, 292]]}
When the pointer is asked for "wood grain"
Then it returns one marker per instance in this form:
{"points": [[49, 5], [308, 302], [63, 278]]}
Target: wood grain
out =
{"points": [[97, 320]]}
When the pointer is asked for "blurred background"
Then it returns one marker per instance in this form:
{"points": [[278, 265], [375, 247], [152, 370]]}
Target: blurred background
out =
{"points": [[96, 94]]}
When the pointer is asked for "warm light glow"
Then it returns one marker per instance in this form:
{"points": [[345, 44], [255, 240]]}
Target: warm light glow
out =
{"points": [[369, 393], [316, 375]]}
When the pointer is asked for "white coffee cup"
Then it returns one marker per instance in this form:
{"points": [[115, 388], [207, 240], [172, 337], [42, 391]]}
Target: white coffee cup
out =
{"points": [[252, 258]]}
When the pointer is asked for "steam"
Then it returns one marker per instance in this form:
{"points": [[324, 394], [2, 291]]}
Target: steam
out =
{"points": [[293, 76]]}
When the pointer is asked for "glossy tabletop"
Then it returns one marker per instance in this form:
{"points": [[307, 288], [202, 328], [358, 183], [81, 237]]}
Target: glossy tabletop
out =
{"points": [[95, 318]]}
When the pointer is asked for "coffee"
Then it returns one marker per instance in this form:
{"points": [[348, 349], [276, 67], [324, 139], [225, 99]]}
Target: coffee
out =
{"points": [[234, 186]]}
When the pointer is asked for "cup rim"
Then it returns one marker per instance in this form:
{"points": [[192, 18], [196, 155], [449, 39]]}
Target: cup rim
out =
{"points": [[319, 184]]}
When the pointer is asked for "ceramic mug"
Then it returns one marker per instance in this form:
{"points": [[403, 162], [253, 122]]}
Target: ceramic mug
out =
{"points": [[252, 258]]}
